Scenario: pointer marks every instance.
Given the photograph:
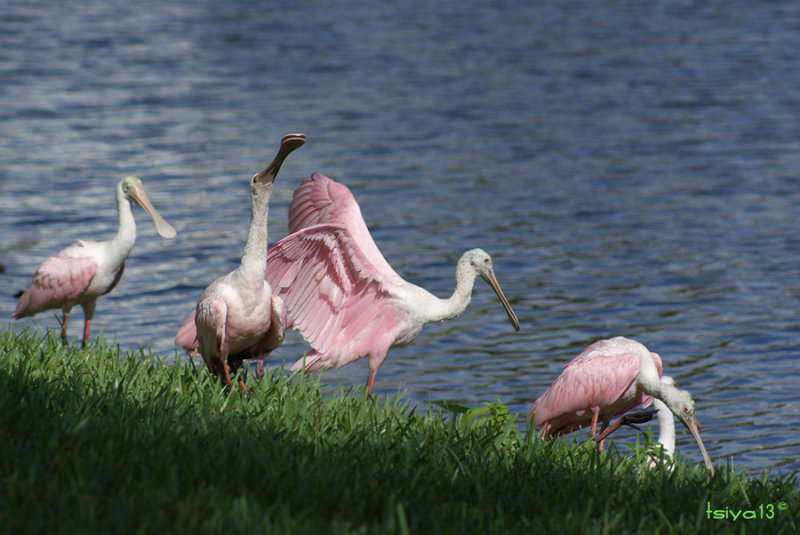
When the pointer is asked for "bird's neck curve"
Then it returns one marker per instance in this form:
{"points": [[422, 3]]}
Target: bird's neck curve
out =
{"points": [[663, 394], [254, 258], [444, 309], [122, 243], [666, 427], [648, 377]]}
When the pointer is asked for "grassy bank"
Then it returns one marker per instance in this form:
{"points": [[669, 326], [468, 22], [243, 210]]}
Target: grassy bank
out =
{"points": [[98, 441]]}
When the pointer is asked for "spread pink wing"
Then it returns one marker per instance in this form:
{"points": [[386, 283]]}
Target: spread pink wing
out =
{"points": [[598, 377], [335, 295], [57, 282], [320, 200]]}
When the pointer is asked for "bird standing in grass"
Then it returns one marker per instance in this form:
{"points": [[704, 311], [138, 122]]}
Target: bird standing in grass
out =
{"points": [[238, 317], [85, 270], [607, 379], [342, 294]]}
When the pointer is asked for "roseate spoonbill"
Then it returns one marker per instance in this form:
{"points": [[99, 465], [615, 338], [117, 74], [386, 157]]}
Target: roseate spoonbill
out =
{"points": [[238, 317], [607, 379], [340, 292], [85, 270]]}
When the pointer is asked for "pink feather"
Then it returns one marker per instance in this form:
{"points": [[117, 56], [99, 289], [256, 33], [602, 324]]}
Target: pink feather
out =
{"points": [[596, 379]]}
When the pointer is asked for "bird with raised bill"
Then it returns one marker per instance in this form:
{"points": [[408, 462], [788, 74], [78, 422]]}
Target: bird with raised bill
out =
{"points": [[238, 316]]}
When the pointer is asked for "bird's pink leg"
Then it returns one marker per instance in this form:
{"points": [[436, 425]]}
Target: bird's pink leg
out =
{"points": [[88, 314], [86, 325], [595, 416], [64, 329], [370, 381]]}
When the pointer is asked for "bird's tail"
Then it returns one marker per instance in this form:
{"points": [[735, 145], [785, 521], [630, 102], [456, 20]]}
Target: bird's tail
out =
{"points": [[23, 306]]}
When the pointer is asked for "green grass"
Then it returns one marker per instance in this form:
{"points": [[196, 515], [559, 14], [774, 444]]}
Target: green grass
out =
{"points": [[98, 441]]}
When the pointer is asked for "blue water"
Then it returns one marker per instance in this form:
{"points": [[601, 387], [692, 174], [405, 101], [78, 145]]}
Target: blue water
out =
{"points": [[632, 168]]}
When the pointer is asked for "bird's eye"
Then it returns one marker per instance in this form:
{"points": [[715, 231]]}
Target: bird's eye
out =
{"points": [[485, 260], [686, 409]]}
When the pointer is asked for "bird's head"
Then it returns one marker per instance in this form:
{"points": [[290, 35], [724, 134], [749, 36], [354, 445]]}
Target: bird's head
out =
{"points": [[681, 403], [481, 262], [266, 177], [132, 188]]}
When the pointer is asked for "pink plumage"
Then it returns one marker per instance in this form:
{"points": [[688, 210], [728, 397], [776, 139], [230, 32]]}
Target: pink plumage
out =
{"points": [[342, 294], [597, 385], [607, 379], [237, 316], [85, 270], [341, 303], [186, 336], [340, 291], [57, 283], [320, 200]]}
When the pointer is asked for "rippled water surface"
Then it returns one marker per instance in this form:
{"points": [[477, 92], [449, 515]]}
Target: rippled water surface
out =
{"points": [[631, 167]]}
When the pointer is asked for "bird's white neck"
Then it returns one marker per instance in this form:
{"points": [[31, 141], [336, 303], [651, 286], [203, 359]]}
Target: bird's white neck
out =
{"points": [[666, 427], [121, 245], [648, 377], [443, 309], [663, 392], [254, 259]]}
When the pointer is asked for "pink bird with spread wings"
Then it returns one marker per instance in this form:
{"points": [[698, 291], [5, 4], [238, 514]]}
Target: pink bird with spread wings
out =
{"points": [[342, 294], [85, 270], [609, 378]]}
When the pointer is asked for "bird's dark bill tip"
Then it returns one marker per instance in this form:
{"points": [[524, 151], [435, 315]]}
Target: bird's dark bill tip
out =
{"points": [[292, 141]]}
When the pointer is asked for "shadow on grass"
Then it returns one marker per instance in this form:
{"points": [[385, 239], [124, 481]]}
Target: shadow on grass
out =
{"points": [[93, 440]]}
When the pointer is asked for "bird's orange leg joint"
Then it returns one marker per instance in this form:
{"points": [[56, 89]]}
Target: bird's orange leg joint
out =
{"points": [[606, 431], [602, 431]]}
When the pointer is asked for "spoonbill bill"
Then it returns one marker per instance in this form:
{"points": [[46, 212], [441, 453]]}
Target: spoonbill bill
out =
{"points": [[607, 379], [342, 294], [238, 316], [85, 270]]}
